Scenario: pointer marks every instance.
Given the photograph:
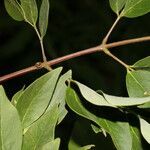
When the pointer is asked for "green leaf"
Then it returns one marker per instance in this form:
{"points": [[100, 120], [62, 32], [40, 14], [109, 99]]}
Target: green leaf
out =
{"points": [[43, 17], [30, 11], [119, 131], [42, 131], [145, 129], [117, 5], [136, 138], [60, 95], [135, 132], [10, 124], [87, 147], [16, 97], [53, 145], [144, 106], [126, 101], [73, 146], [143, 64], [137, 83], [135, 8], [92, 96], [109, 100], [74, 103], [14, 10], [35, 99]]}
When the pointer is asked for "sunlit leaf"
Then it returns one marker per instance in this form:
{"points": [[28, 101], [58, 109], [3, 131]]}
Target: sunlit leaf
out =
{"points": [[103, 99], [30, 11], [92, 96], [117, 5], [125, 101], [145, 129], [14, 10], [43, 17], [10, 125], [119, 131], [135, 8], [42, 131], [35, 98]]}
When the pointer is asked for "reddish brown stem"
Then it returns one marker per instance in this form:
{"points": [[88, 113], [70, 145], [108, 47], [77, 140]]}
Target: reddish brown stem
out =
{"points": [[38, 66]]}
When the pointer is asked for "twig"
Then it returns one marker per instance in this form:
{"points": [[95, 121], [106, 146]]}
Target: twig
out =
{"points": [[39, 66], [41, 44], [107, 52], [110, 31]]}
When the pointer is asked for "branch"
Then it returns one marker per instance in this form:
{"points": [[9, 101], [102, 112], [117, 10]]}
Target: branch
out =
{"points": [[99, 48]]}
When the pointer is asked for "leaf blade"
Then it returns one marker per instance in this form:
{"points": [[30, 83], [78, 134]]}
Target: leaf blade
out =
{"points": [[43, 17], [103, 99], [117, 5], [10, 124], [145, 129], [122, 128], [136, 8], [30, 11], [136, 138], [42, 131], [53, 145], [143, 64], [87, 93], [16, 97], [137, 83], [60, 95], [35, 99], [13, 9], [126, 101]]}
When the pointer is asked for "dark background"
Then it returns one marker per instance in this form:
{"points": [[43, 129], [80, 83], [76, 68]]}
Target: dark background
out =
{"points": [[73, 25]]}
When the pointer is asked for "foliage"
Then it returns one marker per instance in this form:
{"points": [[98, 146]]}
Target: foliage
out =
{"points": [[29, 121]]}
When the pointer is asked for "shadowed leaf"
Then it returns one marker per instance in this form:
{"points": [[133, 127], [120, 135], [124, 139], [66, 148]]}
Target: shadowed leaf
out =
{"points": [[119, 131]]}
